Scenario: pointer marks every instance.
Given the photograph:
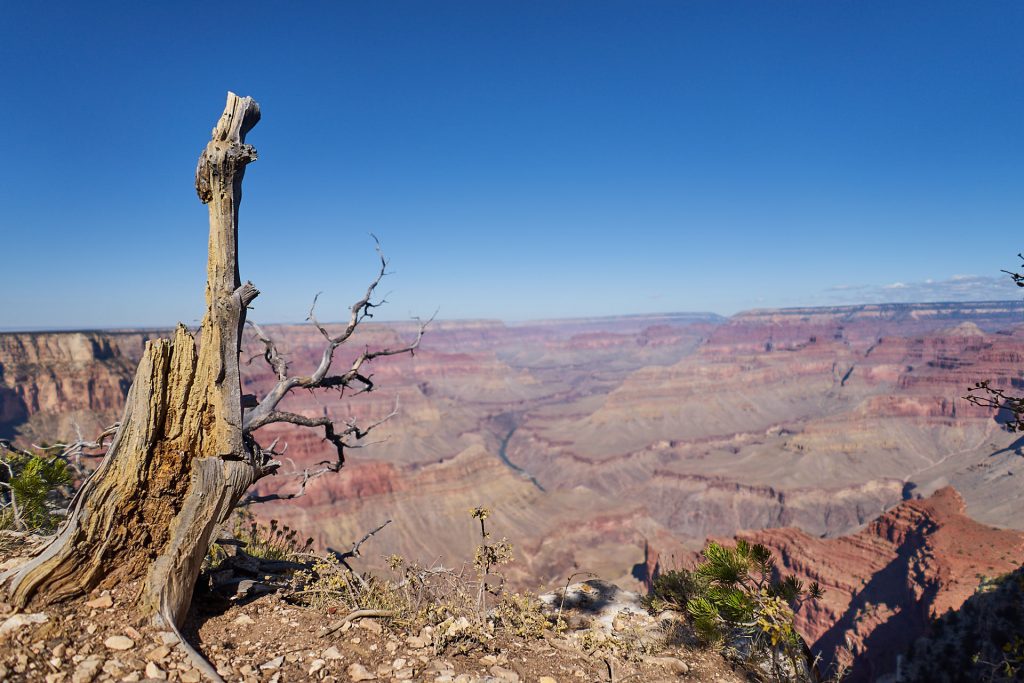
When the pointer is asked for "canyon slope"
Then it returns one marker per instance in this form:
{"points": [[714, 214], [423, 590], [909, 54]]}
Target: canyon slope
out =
{"points": [[615, 445]]}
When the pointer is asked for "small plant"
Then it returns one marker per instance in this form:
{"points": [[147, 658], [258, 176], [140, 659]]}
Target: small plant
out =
{"points": [[487, 556], [270, 542], [448, 604], [734, 597], [30, 486]]}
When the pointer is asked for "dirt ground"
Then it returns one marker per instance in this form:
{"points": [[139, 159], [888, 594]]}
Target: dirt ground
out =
{"points": [[269, 640]]}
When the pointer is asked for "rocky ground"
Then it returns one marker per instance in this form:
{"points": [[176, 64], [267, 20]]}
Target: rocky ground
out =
{"points": [[606, 635], [268, 639]]}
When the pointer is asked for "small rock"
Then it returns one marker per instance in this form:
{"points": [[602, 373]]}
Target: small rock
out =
{"points": [[674, 665], [133, 677], [119, 643], [503, 674], [415, 642], [167, 637], [357, 640], [243, 620], [398, 664], [358, 672], [331, 653], [404, 674], [19, 621], [102, 602], [371, 626], [87, 670], [155, 672], [158, 654], [273, 664], [546, 679], [132, 633], [314, 666], [113, 667], [191, 676]]}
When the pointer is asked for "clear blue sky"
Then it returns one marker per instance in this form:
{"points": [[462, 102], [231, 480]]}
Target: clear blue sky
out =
{"points": [[517, 159]]}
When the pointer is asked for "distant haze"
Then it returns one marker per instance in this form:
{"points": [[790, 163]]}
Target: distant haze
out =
{"points": [[517, 160]]}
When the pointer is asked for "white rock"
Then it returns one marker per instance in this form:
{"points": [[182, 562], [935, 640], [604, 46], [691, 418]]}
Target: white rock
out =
{"points": [[272, 664], [331, 653], [168, 637], [119, 643], [18, 621], [358, 672], [155, 672], [316, 665], [243, 620], [87, 670]]}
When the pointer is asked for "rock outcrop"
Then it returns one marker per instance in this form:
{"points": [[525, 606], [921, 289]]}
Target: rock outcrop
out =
{"points": [[53, 382], [884, 584]]}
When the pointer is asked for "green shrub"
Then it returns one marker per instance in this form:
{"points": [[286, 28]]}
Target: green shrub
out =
{"points": [[29, 486], [734, 596]]}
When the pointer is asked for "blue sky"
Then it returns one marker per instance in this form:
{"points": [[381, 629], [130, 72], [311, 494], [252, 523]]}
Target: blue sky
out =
{"points": [[517, 159]]}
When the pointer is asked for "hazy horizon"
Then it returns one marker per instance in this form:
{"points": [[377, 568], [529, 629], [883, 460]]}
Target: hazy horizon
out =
{"points": [[517, 160], [518, 322]]}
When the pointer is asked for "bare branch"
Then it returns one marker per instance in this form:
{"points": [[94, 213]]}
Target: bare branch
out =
{"points": [[360, 309], [331, 433], [358, 614], [274, 359], [354, 550], [257, 416]]}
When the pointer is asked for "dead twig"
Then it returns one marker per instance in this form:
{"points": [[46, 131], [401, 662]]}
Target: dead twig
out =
{"points": [[357, 614]]}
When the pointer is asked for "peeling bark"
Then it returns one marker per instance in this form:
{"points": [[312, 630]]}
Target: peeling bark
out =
{"points": [[184, 453], [179, 461]]}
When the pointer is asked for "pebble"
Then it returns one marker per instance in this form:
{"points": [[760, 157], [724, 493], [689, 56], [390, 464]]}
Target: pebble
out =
{"points": [[191, 676], [102, 602], [119, 643], [358, 672], [87, 670], [18, 621], [157, 654], [272, 664], [415, 642], [503, 674], [155, 672], [243, 620], [316, 665], [371, 626], [546, 679], [167, 637], [331, 653]]}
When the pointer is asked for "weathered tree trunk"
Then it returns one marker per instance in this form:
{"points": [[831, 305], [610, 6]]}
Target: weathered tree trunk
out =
{"points": [[179, 461]]}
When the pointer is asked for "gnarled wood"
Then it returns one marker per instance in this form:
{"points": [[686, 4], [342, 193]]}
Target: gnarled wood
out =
{"points": [[179, 461], [184, 453]]}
